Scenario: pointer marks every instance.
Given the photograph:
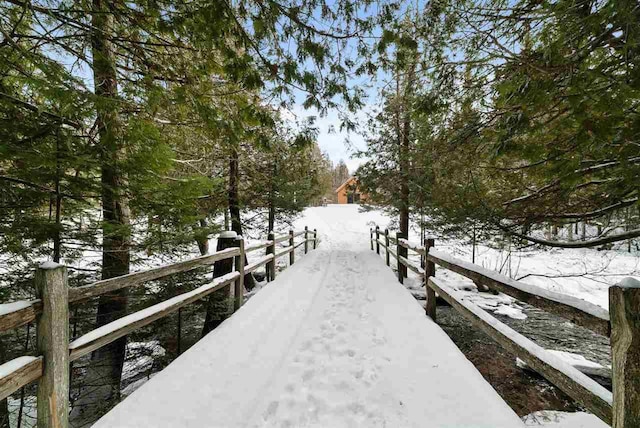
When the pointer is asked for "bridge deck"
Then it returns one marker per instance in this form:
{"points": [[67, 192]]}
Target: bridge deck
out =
{"points": [[335, 341]]}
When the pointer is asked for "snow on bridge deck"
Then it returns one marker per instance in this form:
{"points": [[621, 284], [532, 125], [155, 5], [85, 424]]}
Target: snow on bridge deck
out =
{"points": [[335, 341]]}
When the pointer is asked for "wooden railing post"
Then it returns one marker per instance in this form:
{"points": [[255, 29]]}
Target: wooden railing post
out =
{"points": [[430, 270], [315, 238], [52, 331], [624, 310], [386, 242], [271, 249], [292, 254], [238, 291], [377, 239], [306, 239], [371, 237], [399, 252]]}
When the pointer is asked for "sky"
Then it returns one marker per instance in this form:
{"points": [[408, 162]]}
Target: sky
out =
{"points": [[339, 145]]}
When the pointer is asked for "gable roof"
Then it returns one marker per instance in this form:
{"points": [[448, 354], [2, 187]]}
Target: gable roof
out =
{"points": [[347, 182]]}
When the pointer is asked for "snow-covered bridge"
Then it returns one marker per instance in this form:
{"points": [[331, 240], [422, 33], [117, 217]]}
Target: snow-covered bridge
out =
{"points": [[334, 341]]}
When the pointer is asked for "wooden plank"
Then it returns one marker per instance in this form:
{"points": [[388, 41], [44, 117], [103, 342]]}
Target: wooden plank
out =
{"points": [[571, 308], [239, 265], [414, 268], [299, 244], [392, 253], [284, 251], [17, 314], [401, 252], [258, 246], [577, 385], [382, 244], [255, 265], [123, 326], [624, 305], [19, 372], [137, 278], [298, 233], [281, 238], [430, 305], [386, 246], [411, 246], [52, 342], [292, 254], [271, 266]]}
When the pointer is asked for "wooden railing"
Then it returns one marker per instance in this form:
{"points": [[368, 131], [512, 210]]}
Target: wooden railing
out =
{"points": [[621, 409], [50, 312]]}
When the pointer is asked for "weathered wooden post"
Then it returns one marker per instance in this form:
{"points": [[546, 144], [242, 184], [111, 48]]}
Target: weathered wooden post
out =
{"points": [[371, 237], [238, 291], [292, 254], [52, 331], [271, 249], [220, 305], [430, 270], [377, 239], [315, 238], [624, 310], [399, 251], [306, 239], [386, 242]]}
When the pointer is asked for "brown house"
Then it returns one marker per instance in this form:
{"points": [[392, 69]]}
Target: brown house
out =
{"points": [[349, 193]]}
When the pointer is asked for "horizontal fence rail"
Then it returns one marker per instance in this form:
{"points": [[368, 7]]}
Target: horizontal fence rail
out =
{"points": [[51, 314], [620, 408], [17, 314], [137, 278], [574, 383], [121, 327], [571, 308], [19, 372]]}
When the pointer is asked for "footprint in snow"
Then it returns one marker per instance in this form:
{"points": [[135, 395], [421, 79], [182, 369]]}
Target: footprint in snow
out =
{"points": [[271, 410], [308, 375]]}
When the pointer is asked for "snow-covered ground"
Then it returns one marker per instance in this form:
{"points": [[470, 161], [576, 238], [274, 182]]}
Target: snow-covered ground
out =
{"points": [[335, 341]]}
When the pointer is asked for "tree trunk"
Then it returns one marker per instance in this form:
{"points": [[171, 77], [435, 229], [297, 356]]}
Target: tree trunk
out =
{"points": [[202, 239], [58, 229], [404, 141], [218, 304], [102, 382], [234, 207], [234, 199], [272, 194]]}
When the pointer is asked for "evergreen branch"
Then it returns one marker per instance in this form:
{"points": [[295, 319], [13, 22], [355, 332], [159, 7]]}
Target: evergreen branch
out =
{"points": [[584, 244], [38, 186], [36, 109]]}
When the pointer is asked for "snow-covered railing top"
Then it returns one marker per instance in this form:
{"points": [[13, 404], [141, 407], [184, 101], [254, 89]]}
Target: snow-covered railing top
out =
{"points": [[108, 285], [596, 398], [576, 310]]}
